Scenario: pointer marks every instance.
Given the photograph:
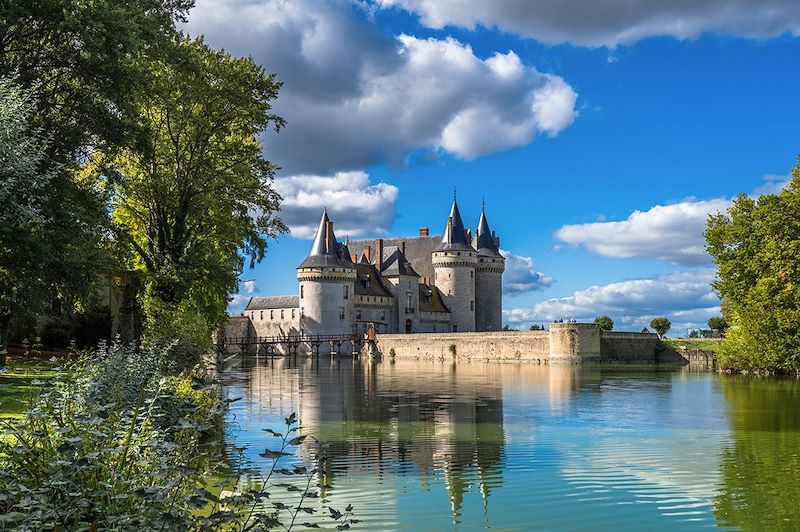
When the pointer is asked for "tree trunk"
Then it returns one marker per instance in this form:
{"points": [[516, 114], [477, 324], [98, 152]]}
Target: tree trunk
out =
{"points": [[5, 321]]}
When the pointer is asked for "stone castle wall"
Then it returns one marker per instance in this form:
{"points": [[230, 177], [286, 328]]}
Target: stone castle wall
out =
{"points": [[628, 347], [503, 346], [488, 300], [563, 343]]}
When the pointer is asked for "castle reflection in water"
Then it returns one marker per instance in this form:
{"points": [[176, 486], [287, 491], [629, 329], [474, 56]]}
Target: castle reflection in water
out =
{"points": [[386, 419]]}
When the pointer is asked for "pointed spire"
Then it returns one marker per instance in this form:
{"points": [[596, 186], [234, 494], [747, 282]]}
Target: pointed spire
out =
{"points": [[486, 242], [455, 236], [324, 249]]}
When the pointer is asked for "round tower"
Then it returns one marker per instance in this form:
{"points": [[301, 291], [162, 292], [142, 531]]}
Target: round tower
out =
{"points": [[327, 279], [454, 262], [488, 278]]}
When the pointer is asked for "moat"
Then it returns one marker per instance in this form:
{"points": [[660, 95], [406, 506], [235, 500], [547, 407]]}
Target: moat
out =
{"points": [[429, 445]]}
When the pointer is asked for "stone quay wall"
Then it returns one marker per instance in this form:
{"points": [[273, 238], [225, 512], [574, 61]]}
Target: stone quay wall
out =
{"points": [[628, 347], [505, 346], [564, 343]]}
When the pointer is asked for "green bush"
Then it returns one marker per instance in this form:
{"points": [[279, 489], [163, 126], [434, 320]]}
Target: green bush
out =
{"points": [[56, 333], [119, 442]]}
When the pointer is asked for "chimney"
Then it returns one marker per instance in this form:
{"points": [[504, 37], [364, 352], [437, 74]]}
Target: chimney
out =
{"points": [[379, 253], [403, 247], [367, 251], [330, 243], [424, 231]]}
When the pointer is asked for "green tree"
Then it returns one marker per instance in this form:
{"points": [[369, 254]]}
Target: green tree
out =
{"points": [[196, 199], [756, 248], [661, 325], [83, 62], [718, 323], [605, 323]]}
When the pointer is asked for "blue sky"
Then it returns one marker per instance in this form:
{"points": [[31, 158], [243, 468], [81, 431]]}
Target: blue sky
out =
{"points": [[600, 140]]}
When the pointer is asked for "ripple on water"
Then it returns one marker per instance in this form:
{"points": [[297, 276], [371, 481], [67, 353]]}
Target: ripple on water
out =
{"points": [[427, 446]]}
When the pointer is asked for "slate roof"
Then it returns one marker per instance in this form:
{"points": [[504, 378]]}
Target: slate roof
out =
{"points": [[397, 264], [262, 303], [370, 282], [486, 242], [455, 236], [431, 299], [325, 251]]}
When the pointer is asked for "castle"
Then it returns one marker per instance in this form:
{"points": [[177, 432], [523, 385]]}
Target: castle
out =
{"points": [[451, 283]]}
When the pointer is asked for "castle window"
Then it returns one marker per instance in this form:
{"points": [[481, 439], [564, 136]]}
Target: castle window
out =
{"points": [[471, 304], [252, 314], [346, 291], [455, 328], [301, 291], [341, 313], [302, 312], [471, 273], [292, 313], [383, 315], [272, 314], [358, 313], [261, 317], [281, 313], [459, 253]]}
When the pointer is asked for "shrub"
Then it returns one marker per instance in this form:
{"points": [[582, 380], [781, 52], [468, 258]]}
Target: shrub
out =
{"points": [[56, 333], [118, 443]]}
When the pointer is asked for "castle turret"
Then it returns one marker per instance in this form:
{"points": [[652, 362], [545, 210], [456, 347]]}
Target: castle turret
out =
{"points": [[327, 278], [488, 278], [398, 271], [454, 262]]}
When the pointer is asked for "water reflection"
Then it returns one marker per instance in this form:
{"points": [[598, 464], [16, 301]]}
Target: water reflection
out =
{"points": [[761, 467], [424, 445]]}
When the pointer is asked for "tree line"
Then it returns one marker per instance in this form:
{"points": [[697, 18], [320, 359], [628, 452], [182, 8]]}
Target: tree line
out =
{"points": [[127, 145]]}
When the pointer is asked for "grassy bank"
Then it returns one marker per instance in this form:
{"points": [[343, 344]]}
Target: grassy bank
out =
{"points": [[706, 344], [20, 383]]}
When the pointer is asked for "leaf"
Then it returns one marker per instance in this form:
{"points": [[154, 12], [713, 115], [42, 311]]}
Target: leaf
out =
{"points": [[310, 525], [291, 420], [343, 527], [272, 454], [297, 441], [223, 516], [276, 434], [349, 508], [335, 513], [280, 506]]}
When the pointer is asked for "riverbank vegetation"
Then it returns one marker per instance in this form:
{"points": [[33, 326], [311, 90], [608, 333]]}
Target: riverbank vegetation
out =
{"points": [[756, 248]]}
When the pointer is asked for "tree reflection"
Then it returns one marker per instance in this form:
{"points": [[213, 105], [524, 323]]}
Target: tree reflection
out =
{"points": [[761, 467]]}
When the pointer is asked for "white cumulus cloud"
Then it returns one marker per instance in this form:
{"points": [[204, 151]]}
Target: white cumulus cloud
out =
{"points": [[354, 96], [673, 233], [355, 205], [521, 276], [685, 297], [611, 22]]}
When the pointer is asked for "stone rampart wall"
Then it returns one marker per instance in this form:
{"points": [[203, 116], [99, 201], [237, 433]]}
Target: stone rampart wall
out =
{"points": [[628, 347], [497, 346]]}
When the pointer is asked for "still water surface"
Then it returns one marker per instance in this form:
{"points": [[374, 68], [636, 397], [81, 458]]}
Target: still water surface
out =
{"points": [[417, 445]]}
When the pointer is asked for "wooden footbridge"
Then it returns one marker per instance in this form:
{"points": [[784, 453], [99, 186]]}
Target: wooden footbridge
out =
{"points": [[340, 344]]}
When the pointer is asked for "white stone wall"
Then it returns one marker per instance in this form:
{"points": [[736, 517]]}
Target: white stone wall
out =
{"points": [[322, 300], [378, 313], [455, 277], [404, 287], [434, 322], [275, 322], [489, 294]]}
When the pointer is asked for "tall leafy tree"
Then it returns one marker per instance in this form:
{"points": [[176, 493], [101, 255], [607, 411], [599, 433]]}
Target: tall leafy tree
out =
{"points": [[195, 199], [756, 247], [84, 60]]}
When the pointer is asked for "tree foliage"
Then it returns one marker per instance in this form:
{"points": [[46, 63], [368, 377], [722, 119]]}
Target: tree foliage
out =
{"points": [[756, 248], [661, 325], [74, 68], [718, 323], [605, 323], [195, 199]]}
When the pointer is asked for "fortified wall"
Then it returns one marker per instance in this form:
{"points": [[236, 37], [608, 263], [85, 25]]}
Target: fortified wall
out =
{"points": [[564, 343]]}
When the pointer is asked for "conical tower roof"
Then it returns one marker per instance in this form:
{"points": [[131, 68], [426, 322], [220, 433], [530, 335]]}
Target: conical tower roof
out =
{"points": [[324, 249], [455, 236], [486, 242]]}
